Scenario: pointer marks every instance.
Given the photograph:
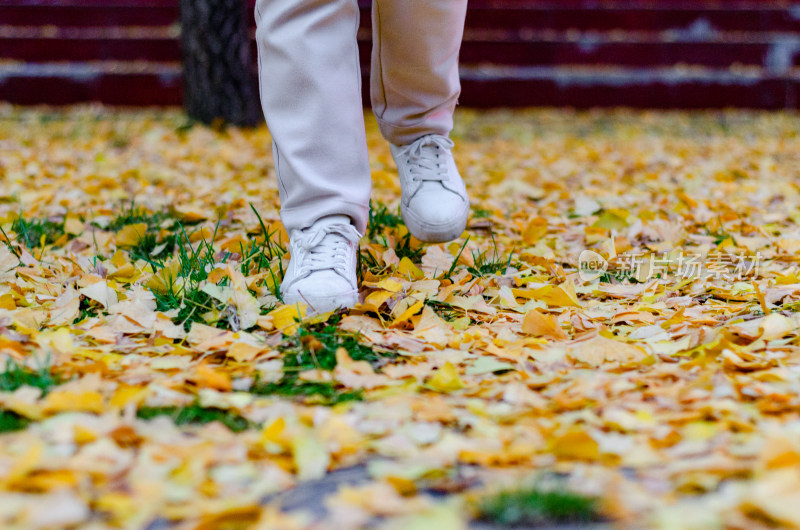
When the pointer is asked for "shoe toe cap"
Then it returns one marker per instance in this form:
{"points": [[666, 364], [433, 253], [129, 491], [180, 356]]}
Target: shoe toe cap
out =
{"points": [[436, 217], [322, 291], [442, 208], [327, 283]]}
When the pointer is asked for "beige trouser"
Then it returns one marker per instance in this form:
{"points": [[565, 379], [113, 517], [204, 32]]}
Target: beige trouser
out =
{"points": [[310, 82]]}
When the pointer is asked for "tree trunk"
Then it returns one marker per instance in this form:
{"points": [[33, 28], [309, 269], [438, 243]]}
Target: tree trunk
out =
{"points": [[218, 79]]}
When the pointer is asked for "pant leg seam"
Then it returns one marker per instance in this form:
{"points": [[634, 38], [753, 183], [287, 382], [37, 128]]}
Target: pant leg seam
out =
{"points": [[276, 163], [259, 17], [357, 56], [379, 32]]}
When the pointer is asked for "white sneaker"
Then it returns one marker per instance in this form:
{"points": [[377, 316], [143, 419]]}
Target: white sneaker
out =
{"points": [[434, 203], [322, 269]]}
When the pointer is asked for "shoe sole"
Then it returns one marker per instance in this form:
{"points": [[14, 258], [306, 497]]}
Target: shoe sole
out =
{"points": [[435, 233], [323, 304]]}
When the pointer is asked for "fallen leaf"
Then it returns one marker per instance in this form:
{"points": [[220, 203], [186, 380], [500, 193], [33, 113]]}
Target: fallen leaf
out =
{"points": [[541, 325], [130, 235], [599, 350], [445, 379]]}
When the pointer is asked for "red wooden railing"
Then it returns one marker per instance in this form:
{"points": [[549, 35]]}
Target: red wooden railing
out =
{"points": [[657, 53]]}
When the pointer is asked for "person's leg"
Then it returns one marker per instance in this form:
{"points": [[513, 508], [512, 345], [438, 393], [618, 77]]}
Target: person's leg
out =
{"points": [[414, 90], [310, 85], [414, 79]]}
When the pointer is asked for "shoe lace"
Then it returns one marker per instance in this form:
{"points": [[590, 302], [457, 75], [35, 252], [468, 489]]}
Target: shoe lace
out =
{"points": [[326, 248], [425, 160]]}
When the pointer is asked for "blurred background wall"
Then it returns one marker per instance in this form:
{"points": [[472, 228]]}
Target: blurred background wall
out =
{"points": [[582, 53]]}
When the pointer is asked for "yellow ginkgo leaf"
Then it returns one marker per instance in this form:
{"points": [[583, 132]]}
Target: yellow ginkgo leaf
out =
{"points": [[575, 444], [390, 284], [407, 308], [284, 318], [562, 295], [445, 379], [73, 225], [375, 300], [166, 279], [130, 235], [311, 457], [541, 325], [243, 352], [407, 269], [536, 229], [64, 400]]}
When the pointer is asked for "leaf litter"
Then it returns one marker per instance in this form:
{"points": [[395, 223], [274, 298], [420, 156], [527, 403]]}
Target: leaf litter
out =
{"points": [[151, 372]]}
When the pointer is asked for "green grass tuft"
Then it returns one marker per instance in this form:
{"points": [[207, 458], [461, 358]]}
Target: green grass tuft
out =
{"points": [[138, 214], [533, 506], [314, 347], [310, 391], [195, 414], [487, 264], [153, 245], [11, 421], [405, 248], [16, 376], [448, 312], [34, 233], [368, 261], [264, 254], [196, 261], [618, 276], [88, 309], [481, 213], [381, 218], [453, 265], [192, 303]]}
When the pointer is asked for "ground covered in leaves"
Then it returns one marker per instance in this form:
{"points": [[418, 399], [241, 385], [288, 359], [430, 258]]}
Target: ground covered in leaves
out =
{"points": [[151, 377]]}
